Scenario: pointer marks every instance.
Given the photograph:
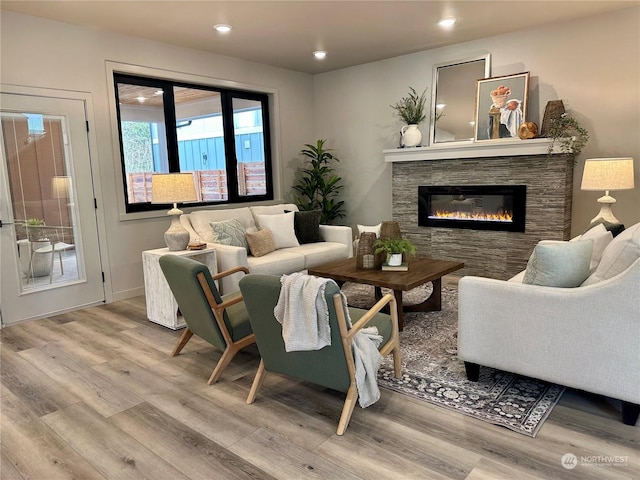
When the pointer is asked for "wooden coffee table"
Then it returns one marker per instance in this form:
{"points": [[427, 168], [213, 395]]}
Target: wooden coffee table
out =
{"points": [[421, 270]]}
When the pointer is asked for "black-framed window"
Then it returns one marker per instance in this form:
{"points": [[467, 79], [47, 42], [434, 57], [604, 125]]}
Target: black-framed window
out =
{"points": [[220, 135]]}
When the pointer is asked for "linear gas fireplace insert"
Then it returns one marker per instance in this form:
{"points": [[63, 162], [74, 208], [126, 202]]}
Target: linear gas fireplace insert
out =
{"points": [[478, 207]]}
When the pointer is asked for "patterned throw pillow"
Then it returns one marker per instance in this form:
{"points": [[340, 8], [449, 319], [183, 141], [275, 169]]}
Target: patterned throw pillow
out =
{"points": [[261, 242], [229, 232]]}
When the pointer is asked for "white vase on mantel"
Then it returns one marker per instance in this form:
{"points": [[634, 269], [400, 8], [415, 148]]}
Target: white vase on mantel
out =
{"points": [[411, 136]]}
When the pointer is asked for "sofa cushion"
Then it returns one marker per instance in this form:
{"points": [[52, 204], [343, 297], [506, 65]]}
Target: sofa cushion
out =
{"points": [[281, 227], [307, 226], [618, 255], [278, 262], [261, 243], [322, 252], [601, 238], [229, 232], [559, 264], [200, 220]]}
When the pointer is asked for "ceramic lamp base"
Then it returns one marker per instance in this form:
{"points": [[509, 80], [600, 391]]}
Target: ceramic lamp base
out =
{"points": [[605, 212], [176, 237]]}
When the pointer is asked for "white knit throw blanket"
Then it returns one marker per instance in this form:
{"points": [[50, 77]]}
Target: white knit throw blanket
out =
{"points": [[304, 315]]}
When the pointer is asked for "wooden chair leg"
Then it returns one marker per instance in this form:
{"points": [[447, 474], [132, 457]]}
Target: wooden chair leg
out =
{"points": [[186, 336], [257, 383], [397, 361], [225, 359], [228, 355], [347, 410]]}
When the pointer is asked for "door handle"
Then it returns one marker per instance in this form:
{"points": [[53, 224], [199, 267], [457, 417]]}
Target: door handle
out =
{"points": [[4, 223]]}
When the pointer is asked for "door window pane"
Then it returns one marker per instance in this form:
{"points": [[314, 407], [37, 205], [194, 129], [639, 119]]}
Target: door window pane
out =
{"points": [[42, 196]]}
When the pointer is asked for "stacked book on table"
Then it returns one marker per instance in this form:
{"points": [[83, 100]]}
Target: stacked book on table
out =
{"points": [[403, 267]]}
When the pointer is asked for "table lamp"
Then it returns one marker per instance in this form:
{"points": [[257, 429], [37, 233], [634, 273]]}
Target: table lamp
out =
{"points": [[174, 188], [607, 174]]}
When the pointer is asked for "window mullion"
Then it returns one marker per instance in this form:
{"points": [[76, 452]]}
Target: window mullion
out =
{"points": [[230, 146], [170, 123]]}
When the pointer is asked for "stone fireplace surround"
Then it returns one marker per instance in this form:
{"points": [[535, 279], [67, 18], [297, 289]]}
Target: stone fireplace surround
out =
{"points": [[549, 181]]}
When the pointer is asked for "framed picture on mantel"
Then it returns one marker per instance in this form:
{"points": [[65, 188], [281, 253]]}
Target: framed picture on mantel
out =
{"points": [[501, 106]]}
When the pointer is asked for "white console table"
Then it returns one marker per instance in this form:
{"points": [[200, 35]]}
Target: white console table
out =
{"points": [[162, 307]]}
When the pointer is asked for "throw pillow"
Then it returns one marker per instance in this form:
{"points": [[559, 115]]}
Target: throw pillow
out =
{"points": [[559, 264], [306, 225], [615, 228], [618, 256], [261, 242], [601, 238], [229, 232], [373, 228], [281, 227]]}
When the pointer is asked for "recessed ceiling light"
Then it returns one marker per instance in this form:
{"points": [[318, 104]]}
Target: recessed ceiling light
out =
{"points": [[440, 106], [158, 92], [319, 54], [447, 22], [140, 99], [222, 28]]}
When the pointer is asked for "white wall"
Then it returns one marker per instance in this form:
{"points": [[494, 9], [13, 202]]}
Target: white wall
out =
{"points": [[591, 64], [53, 55]]}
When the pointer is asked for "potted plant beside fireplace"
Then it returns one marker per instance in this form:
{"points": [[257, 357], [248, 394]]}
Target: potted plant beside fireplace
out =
{"points": [[395, 248]]}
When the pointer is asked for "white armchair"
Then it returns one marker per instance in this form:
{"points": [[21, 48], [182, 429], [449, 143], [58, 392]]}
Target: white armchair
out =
{"points": [[586, 337]]}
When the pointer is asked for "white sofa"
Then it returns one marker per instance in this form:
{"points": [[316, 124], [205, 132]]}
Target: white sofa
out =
{"points": [[336, 245], [586, 337]]}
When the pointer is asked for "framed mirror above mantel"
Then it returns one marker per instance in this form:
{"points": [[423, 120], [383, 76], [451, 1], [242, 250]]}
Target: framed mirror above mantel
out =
{"points": [[453, 98]]}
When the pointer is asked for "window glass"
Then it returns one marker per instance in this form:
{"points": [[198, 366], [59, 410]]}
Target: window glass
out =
{"points": [[220, 135], [250, 147], [143, 138]]}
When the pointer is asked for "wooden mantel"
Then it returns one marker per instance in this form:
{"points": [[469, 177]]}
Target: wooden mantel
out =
{"points": [[499, 148]]}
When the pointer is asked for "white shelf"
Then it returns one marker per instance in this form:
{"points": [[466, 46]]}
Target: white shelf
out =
{"points": [[497, 148]]}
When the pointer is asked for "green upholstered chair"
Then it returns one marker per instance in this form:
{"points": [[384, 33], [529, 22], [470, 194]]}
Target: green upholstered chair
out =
{"points": [[220, 320], [332, 366]]}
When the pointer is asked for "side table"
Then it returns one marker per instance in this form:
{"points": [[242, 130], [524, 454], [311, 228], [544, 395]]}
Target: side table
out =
{"points": [[162, 307]]}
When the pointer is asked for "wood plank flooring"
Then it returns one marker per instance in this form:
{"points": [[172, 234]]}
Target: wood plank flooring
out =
{"points": [[94, 394]]}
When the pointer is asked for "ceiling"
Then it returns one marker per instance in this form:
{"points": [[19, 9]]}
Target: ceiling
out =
{"points": [[285, 33]]}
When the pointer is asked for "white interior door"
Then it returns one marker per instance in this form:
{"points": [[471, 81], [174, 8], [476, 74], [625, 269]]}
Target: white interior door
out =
{"points": [[49, 251]]}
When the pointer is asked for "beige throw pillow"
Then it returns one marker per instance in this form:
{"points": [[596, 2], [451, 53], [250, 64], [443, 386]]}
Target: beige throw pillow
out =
{"points": [[261, 242]]}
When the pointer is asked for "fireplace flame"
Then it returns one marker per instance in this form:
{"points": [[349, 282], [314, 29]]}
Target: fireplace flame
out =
{"points": [[474, 216]]}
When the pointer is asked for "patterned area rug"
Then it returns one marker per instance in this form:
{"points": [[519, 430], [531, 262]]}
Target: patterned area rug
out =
{"points": [[433, 373]]}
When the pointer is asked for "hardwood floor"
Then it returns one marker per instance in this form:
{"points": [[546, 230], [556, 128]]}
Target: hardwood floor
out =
{"points": [[94, 394]]}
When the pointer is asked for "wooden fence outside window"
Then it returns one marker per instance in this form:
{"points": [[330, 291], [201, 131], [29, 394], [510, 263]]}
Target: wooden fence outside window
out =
{"points": [[211, 185]]}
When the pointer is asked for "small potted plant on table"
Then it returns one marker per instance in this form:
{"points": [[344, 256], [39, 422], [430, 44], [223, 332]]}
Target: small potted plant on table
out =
{"points": [[394, 248]]}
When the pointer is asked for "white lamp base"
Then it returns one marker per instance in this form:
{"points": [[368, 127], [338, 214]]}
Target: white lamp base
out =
{"points": [[176, 237], [605, 213]]}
